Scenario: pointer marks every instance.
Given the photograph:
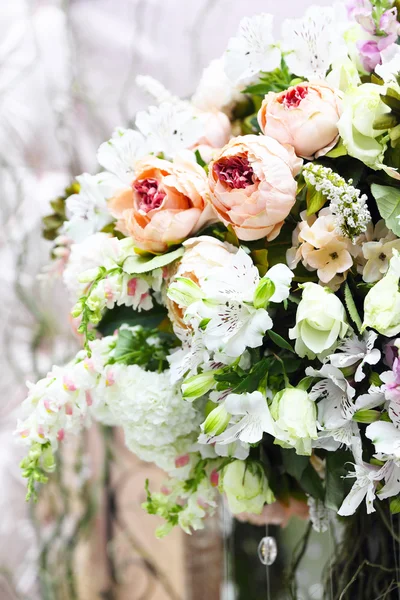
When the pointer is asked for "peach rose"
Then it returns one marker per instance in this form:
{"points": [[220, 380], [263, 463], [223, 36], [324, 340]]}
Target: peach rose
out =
{"points": [[166, 203], [252, 185], [305, 116]]}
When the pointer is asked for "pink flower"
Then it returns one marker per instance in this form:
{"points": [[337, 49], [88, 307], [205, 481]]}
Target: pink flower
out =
{"points": [[392, 383], [305, 116], [182, 461], [252, 185], [167, 202]]}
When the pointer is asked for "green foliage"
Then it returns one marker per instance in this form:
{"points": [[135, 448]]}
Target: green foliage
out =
{"points": [[120, 315], [144, 347], [315, 200], [51, 223], [137, 265], [33, 468], [388, 202], [351, 307], [279, 341], [274, 81], [336, 484]]}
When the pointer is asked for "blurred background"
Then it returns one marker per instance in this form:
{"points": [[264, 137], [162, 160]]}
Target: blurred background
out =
{"points": [[67, 79]]}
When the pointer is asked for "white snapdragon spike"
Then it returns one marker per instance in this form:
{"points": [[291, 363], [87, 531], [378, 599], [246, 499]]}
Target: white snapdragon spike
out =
{"points": [[215, 90], [120, 154], [254, 419], [87, 211], [366, 476], [61, 402], [390, 67], [252, 51], [354, 351], [315, 41], [170, 128]]}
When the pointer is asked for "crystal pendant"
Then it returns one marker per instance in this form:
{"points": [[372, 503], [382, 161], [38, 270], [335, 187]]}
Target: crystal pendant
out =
{"points": [[267, 550]]}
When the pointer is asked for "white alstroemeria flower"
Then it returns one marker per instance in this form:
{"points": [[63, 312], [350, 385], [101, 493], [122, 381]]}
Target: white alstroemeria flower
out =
{"points": [[386, 438], [233, 323], [170, 127], [187, 359], [392, 481], [87, 211], [156, 89], [120, 154], [335, 407], [390, 67], [252, 51], [353, 350], [315, 41], [255, 419], [238, 449], [364, 487], [215, 90]]}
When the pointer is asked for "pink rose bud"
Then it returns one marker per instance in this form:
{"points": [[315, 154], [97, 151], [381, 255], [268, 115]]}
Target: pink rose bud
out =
{"points": [[305, 116]]}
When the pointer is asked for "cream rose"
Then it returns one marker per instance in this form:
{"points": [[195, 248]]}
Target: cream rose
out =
{"points": [[305, 116], [166, 203], [252, 185]]}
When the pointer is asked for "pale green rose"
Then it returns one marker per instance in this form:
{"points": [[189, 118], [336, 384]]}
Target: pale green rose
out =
{"points": [[382, 303], [296, 416], [320, 321], [246, 487], [362, 106]]}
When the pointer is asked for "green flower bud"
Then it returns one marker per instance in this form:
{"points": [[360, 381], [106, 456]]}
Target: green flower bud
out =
{"points": [[77, 309], [184, 291], [265, 290], [366, 416], [48, 461], [217, 421], [89, 275], [198, 385]]}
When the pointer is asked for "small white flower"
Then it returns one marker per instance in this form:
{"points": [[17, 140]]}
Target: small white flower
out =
{"points": [[386, 438], [255, 419], [155, 89], [215, 90], [252, 51], [120, 154], [353, 350], [390, 67], [187, 359], [314, 41], [170, 127], [364, 487], [87, 211]]}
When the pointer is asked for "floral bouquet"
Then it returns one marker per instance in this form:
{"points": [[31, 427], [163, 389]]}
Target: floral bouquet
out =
{"points": [[234, 273]]}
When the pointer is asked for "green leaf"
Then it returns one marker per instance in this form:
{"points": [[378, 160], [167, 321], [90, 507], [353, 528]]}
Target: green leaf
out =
{"points": [[395, 505], [351, 307], [200, 161], [279, 341], [315, 200], [260, 89], [119, 315], [311, 482], [339, 150], [135, 265], [293, 463], [253, 380], [388, 202], [335, 485], [386, 121]]}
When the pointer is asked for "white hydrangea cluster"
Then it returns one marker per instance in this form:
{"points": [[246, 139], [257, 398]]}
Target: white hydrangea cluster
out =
{"points": [[346, 204], [153, 414]]}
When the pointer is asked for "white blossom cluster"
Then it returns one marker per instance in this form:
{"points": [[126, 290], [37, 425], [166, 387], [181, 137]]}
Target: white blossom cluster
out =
{"points": [[346, 204]]}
